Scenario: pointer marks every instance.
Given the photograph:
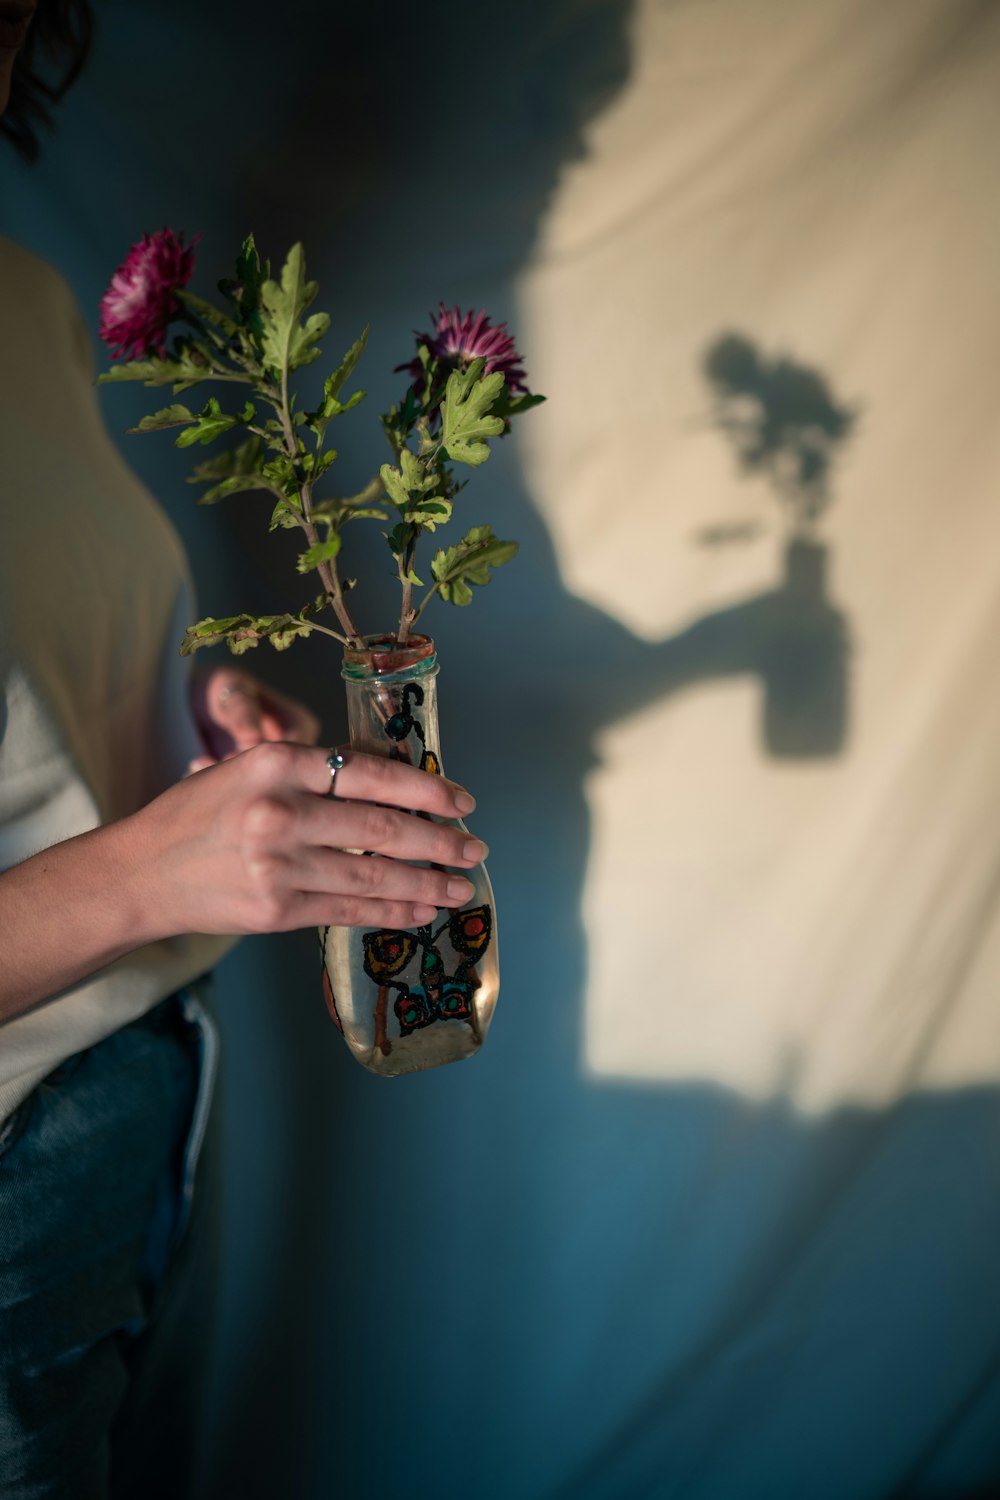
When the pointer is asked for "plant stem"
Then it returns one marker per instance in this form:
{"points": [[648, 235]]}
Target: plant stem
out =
{"points": [[424, 602], [328, 573], [406, 615], [329, 576], [327, 631]]}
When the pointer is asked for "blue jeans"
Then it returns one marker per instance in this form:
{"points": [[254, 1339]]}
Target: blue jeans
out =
{"points": [[106, 1265]]}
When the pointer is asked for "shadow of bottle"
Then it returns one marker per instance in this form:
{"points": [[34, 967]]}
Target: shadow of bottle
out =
{"points": [[804, 663]]}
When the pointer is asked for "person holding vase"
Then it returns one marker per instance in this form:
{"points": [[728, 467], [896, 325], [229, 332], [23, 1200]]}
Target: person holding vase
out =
{"points": [[148, 818]]}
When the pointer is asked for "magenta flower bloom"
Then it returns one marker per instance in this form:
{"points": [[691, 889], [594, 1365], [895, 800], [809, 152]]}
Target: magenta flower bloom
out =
{"points": [[142, 298], [459, 338]]}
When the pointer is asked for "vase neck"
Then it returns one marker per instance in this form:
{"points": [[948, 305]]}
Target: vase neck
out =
{"points": [[394, 712]]}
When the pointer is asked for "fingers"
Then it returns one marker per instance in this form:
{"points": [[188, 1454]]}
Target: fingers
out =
{"points": [[334, 872], [311, 909], [364, 778], [383, 830]]}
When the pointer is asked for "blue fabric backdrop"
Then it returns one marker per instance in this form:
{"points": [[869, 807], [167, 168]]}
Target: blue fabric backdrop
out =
{"points": [[508, 1280]]}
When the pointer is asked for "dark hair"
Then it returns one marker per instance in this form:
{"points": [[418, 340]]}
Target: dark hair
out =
{"points": [[61, 34]]}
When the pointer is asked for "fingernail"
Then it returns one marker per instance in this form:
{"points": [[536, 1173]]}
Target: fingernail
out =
{"points": [[475, 849], [464, 803], [460, 889], [424, 913]]}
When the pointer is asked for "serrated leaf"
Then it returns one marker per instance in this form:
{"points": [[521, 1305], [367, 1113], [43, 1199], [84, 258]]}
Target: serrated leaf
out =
{"points": [[507, 406], [324, 462], [331, 406], [457, 592], [281, 475], [465, 419], [243, 459], [358, 504], [209, 632], [244, 291], [286, 342], [242, 632], [406, 485], [394, 486], [181, 372], [469, 562], [319, 552], [281, 639], [429, 514], [283, 515], [210, 423], [167, 416], [334, 383], [237, 484], [352, 401]]}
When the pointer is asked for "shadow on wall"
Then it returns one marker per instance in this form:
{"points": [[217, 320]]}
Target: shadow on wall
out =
{"points": [[785, 424]]}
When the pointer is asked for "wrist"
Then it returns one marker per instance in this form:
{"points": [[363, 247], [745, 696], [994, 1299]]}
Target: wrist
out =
{"points": [[73, 909]]}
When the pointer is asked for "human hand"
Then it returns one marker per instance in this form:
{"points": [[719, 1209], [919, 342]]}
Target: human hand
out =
{"points": [[253, 844], [234, 711]]}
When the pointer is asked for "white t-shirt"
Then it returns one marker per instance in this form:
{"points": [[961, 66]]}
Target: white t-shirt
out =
{"points": [[94, 597]]}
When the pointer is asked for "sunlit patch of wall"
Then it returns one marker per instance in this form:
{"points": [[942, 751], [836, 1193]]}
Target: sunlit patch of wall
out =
{"points": [[792, 877]]}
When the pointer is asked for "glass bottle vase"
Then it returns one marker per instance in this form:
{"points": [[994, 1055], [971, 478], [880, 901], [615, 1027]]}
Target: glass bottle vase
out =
{"points": [[411, 998]]}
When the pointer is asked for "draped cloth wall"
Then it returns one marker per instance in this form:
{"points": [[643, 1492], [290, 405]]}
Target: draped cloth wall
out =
{"points": [[715, 1213]]}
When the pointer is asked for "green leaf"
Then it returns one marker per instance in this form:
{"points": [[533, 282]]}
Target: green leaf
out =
{"points": [[394, 486], [211, 423], [507, 406], [286, 342], [317, 467], [237, 484], [285, 515], [429, 514], [244, 292], [469, 562], [168, 416], [406, 485], [411, 577], [209, 632], [400, 537], [334, 383], [465, 419], [331, 406], [242, 632], [282, 638], [281, 473], [359, 502], [243, 459], [181, 372], [319, 552]]}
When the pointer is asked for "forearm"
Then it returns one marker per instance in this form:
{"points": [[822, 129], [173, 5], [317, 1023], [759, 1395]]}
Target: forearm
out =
{"points": [[71, 910]]}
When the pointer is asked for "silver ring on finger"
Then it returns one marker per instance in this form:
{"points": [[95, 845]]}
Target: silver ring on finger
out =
{"points": [[335, 761]]}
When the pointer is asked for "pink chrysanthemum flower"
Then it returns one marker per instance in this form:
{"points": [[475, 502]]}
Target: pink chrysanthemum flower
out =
{"points": [[459, 338], [139, 304]]}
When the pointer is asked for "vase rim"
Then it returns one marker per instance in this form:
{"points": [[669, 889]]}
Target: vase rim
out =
{"points": [[382, 656]]}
